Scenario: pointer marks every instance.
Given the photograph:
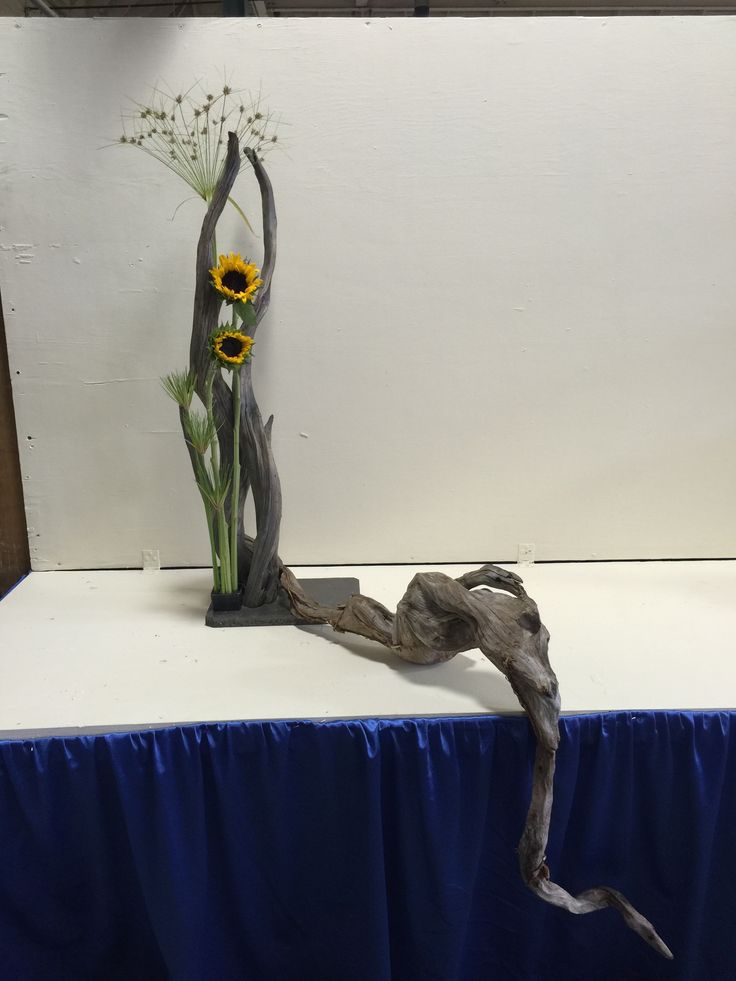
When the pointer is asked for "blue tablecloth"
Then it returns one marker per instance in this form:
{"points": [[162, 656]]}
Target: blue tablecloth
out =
{"points": [[365, 851]]}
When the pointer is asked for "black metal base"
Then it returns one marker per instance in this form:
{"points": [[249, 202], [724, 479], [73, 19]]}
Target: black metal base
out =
{"points": [[331, 592]]}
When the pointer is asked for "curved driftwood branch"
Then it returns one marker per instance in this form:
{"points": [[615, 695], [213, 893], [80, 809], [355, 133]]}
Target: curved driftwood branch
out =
{"points": [[268, 210], [207, 303], [207, 308], [260, 566], [262, 584], [439, 617]]}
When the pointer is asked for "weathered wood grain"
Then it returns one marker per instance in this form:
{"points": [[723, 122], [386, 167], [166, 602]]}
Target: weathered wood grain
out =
{"points": [[262, 583], [488, 609]]}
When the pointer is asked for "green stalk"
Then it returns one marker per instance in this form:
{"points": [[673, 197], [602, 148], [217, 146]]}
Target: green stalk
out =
{"points": [[215, 448], [235, 495], [213, 550], [208, 509], [222, 540], [222, 536], [210, 512]]}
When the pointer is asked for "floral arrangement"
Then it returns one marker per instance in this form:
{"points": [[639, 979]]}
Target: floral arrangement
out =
{"points": [[230, 451], [206, 140], [236, 280]]}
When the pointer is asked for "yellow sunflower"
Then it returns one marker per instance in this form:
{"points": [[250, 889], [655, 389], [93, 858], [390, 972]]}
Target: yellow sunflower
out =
{"points": [[235, 278], [231, 347]]}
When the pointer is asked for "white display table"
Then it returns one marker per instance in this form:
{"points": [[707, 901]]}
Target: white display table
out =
{"points": [[119, 649]]}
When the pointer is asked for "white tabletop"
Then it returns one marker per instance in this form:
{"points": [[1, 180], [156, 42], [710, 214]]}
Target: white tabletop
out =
{"points": [[117, 649]]}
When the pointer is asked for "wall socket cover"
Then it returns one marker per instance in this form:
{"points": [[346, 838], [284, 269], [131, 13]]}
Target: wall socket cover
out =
{"points": [[526, 553], [150, 559]]}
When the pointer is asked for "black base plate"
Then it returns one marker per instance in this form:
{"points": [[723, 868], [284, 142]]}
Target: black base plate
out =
{"points": [[331, 592]]}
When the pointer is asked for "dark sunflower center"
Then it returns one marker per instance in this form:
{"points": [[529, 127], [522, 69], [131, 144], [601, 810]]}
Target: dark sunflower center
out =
{"points": [[231, 347], [235, 281]]}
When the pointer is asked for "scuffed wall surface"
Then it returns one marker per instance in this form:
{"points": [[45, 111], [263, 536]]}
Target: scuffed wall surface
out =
{"points": [[504, 305]]}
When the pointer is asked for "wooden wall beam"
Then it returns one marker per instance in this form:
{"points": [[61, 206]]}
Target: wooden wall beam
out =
{"points": [[15, 559]]}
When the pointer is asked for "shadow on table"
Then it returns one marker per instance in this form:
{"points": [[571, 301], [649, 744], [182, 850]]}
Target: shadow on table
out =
{"points": [[462, 674]]}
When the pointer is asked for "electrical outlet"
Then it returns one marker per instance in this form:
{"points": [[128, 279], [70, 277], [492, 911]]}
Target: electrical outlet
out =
{"points": [[151, 559], [526, 553]]}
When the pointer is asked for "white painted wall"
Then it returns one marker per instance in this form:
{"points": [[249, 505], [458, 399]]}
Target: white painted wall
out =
{"points": [[505, 305]]}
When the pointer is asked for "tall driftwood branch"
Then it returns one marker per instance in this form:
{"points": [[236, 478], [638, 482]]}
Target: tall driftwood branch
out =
{"points": [[207, 304], [207, 301], [258, 561], [262, 584], [268, 211], [263, 563], [439, 617]]}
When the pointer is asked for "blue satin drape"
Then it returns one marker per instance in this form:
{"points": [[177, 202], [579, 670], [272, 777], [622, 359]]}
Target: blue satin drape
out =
{"points": [[365, 851]]}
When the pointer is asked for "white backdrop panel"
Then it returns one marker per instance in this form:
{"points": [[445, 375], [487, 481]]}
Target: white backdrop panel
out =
{"points": [[505, 300]]}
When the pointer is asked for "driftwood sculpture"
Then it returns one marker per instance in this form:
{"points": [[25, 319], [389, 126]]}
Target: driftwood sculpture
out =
{"points": [[439, 617], [258, 561]]}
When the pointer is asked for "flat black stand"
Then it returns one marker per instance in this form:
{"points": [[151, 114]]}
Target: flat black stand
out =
{"points": [[330, 592]]}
